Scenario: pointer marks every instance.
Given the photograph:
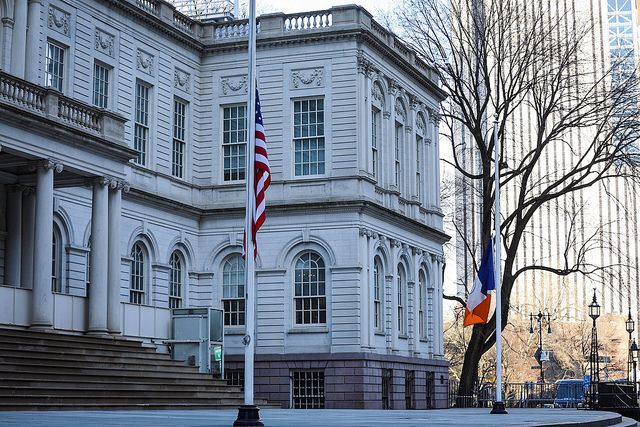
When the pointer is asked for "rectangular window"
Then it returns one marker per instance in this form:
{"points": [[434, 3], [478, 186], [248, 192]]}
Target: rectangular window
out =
{"points": [[234, 142], [396, 155], [54, 67], [307, 389], [141, 130], [374, 142], [100, 86], [179, 127], [419, 168], [308, 137], [400, 305], [377, 299]]}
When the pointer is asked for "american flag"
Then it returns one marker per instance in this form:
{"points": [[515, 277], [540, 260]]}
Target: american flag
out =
{"points": [[261, 178]]}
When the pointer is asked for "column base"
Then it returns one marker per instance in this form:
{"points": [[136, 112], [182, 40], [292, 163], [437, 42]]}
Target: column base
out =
{"points": [[95, 332], [41, 327], [498, 408], [248, 415]]}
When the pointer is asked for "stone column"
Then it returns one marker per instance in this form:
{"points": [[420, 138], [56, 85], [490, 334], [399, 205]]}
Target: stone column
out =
{"points": [[394, 293], [365, 285], [33, 39], [42, 297], [13, 249], [98, 257], [363, 86], [7, 36], [19, 40], [114, 261], [28, 229]]}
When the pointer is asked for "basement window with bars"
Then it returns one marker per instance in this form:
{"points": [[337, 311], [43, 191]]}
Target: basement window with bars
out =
{"points": [[307, 389], [234, 377]]}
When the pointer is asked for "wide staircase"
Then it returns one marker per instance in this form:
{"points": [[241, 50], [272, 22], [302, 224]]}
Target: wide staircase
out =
{"points": [[55, 371]]}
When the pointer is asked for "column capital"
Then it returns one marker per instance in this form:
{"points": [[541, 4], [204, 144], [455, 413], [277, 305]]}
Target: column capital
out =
{"points": [[7, 22], [36, 1], [48, 164]]}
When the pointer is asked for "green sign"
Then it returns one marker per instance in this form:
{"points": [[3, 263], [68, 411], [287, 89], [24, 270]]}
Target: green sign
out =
{"points": [[217, 353]]}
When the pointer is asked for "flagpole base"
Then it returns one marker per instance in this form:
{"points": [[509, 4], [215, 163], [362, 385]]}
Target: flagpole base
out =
{"points": [[498, 408], [248, 415]]}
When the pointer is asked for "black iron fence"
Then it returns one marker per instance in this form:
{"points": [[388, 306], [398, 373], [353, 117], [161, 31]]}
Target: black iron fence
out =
{"points": [[520, 395]]}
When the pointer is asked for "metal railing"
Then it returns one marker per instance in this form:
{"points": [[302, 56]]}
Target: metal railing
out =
{"points": [[515, 395]]}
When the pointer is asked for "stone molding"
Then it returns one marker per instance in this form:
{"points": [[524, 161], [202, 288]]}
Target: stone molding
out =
{"points": [[304, 78], [144, 62], [104, 42], [232, 84], [59, 20]]}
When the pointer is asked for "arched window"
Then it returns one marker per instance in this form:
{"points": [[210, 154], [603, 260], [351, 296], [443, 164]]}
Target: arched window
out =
{"points": [[175, 280], [375, 141], [137, 286], [233, 291], [310, 299], [422, 301], [56, 260], [401, 282], [377, 295]]}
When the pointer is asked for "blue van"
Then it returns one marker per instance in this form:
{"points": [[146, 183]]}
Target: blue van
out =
{"points": [[570, 394]]}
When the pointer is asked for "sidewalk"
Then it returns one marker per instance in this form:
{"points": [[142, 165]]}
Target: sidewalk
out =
{"points": [[319, 418]]}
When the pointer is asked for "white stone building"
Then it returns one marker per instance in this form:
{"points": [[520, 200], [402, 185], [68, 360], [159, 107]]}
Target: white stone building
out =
{"points": [[122, 191]]}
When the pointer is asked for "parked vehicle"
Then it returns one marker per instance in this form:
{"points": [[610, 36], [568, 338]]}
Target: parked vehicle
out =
{"points": [[570, 394]]}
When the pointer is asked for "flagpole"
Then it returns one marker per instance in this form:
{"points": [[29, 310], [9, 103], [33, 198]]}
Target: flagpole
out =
{"points": [[498, 405], [248, 414]]}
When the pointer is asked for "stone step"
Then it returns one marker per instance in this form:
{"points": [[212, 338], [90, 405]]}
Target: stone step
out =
{"points": [[106, 340], [120, 407], [75, 391], [105, 345], [63, 349], [154, 380], [8, 368], [108, 383], [40, 360]]}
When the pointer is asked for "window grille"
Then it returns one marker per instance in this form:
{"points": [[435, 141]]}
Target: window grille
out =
{"points": [[175, 281], [141, 130], [54, 67], [308, 137], [179, 127], [136, 291], [234, 141], [310, 299], [100, 86], [307, 389], [377, 295], [233, 291]]}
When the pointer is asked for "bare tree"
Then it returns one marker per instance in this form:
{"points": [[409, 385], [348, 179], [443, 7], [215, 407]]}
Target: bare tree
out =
{"points": [[510, 59]]}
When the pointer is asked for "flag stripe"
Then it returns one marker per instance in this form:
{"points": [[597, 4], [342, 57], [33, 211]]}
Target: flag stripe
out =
{"points": [[479, 299], [262, 178]]}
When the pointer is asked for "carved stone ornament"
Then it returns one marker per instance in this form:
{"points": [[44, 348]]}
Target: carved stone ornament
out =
{"points": [[376, 93], [144, 62], [306, 78], [400, 111], [420, 125], [234, 85], [104, 42], [59, 20], [181, 80]]}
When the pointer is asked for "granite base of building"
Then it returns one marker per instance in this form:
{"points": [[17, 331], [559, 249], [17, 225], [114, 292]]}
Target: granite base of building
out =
{"points": [[347, 380]]}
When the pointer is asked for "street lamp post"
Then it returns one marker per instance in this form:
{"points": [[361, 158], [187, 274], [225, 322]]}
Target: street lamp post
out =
{"points": [[629, 324], [594, 365], [540, 317]]}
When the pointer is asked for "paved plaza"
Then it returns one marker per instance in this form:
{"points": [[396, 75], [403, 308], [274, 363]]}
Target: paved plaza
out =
{"points": [[319, 418]]}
